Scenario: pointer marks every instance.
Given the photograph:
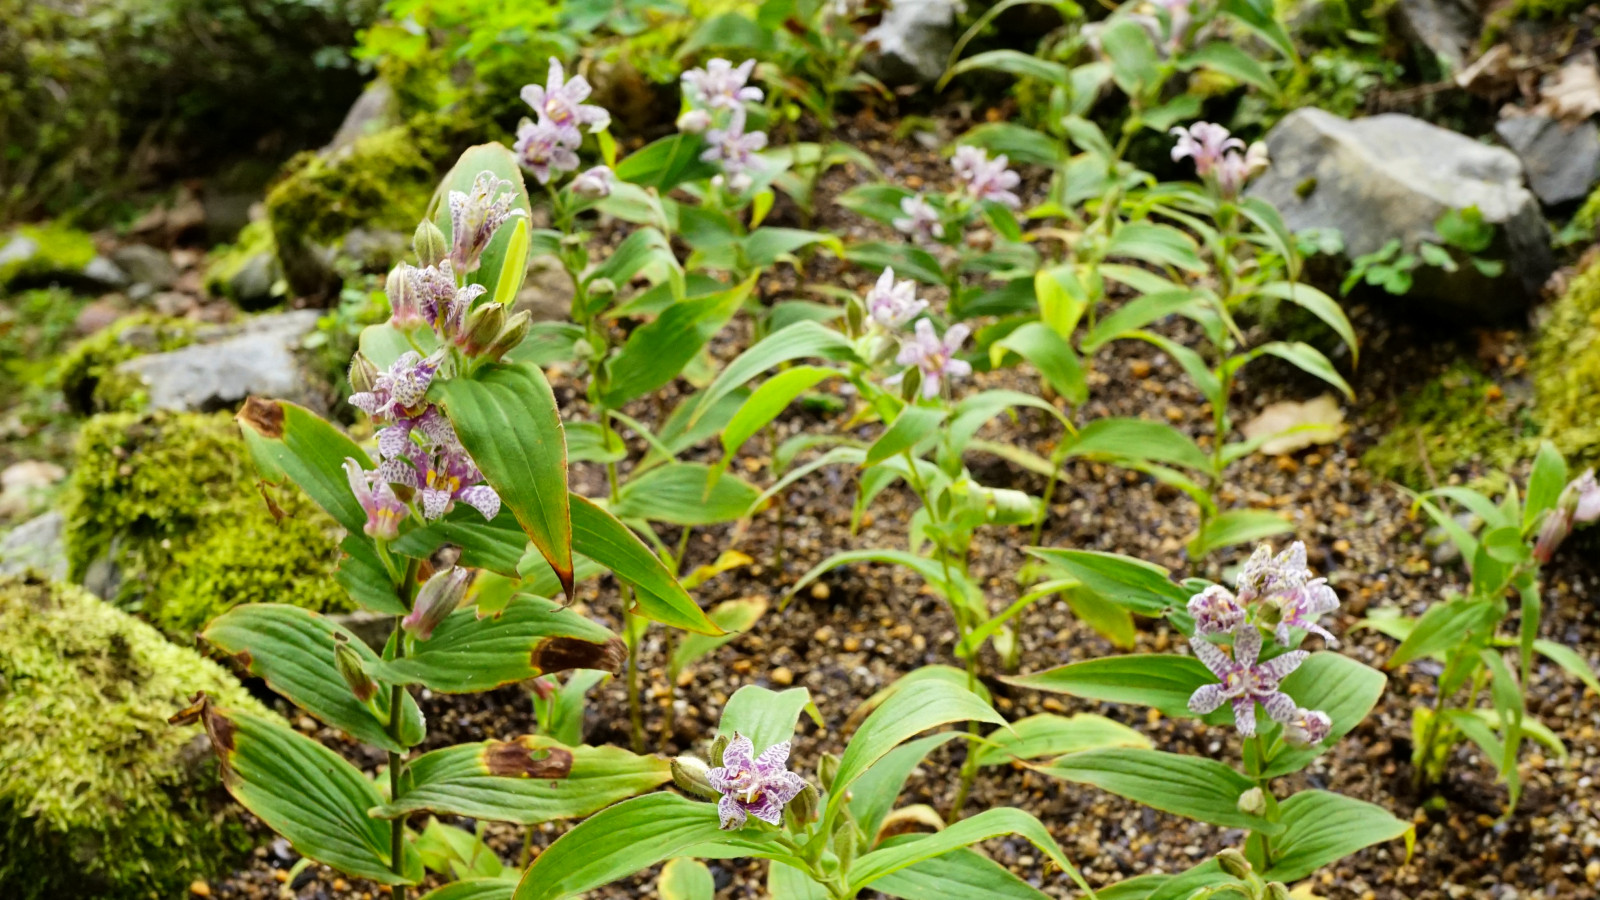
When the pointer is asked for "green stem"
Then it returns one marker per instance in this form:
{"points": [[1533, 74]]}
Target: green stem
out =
{"points": [[635, 705], [397, 826]]}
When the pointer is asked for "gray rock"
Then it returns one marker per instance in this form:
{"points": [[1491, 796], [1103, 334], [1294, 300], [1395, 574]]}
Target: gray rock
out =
{"points": [[1561, 161], [146, 265], [376, 250], [1391, 177], [912, 43], [102, 274], [38, 544], [1449, 28], [228, 365], [20, 249], [372, 112], [251, 285]]}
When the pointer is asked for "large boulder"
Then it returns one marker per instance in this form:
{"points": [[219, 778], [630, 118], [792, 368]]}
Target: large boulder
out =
{"points": [[912, 43], [1391, 177], [1561, 159], [226, 364], [36, 545], [101, 797]]}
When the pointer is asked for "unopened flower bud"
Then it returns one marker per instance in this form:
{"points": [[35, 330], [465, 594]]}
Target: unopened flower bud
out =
{"points": [[802, 810], [845, 844], [694, 121], [602, 287], [1234, 863], [1253, 802], [405, 300], [438, 598], [855, 317], [1277, 890], [827, 768], [348, 662], [543, 688], [363, 374], [515, 330], [718, 747], [689, 774], [483, 326], [429, 243], [594, 183], [911, 385]]}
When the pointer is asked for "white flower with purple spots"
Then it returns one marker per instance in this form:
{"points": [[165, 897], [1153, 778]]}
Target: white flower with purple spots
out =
{"points": [[401, 391], [893, 304], [544, 150], [721, 85], [595, 183], [985, 178], [1216, 611], [1307, 727], [560, 103], [935, 356], [475, 216], [1243, 682], [734, 148], [921, 220], [384, 510], [751, 785], [1284, 582], [1205, 143]]}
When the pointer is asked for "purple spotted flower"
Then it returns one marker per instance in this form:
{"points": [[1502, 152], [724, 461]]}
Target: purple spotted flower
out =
{"points": [[921, 220], [1303, 607], [384, 510], [560, 103], [1244, 682], [1235, 169], [1307, 727], [721, 85], [1285, 583], [475, 216], [1216, 611], [594, 183], [1584, 493], [985, 178], [751, 785], [893, 304], [399, 392], [934, 356], [544, 150], [429, 296], [735, 150], [1579, 504], [1205, 143]]}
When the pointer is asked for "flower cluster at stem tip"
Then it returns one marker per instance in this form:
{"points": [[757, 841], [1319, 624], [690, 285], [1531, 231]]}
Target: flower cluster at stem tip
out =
{"points": [[750, 785], [1219, 156], [547, 145], [715, 97], [1277, 593], [1579, 504]]}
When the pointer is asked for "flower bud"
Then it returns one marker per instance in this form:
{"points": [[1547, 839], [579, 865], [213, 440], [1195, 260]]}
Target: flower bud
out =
{"points": [[515, 331], [438, 598], [718, 746], [1253, 802], [348, 662], [1234, 863], [482, 327], [594, 184], [802, 810], [690, 775], [1277, 890], [694, 121], [602, 287], [1557, 525], [429, 243], [543, 688], [911, 385], [827, 768], [855, 317], [363, 374], [845, 844], [405, 298]]}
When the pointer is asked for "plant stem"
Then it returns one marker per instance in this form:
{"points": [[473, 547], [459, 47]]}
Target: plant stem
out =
{"points": [[635, 706]]}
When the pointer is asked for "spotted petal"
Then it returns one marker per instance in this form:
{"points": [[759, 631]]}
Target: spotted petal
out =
{"points": [[1207, 698], [1213, 657], [1244, 716], [732, 814], [1279, 667], [483, 499]]}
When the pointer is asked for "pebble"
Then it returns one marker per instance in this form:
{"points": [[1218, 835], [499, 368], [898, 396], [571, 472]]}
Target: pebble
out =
{"points": [[200, 888], [782, 676]]}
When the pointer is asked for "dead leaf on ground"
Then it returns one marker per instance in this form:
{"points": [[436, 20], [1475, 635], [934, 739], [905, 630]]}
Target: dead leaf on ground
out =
{"points": [[1290, 425], [1573, 92]]}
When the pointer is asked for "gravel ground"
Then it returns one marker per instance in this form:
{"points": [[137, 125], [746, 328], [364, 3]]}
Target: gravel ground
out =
{"points": [[863, 626]]}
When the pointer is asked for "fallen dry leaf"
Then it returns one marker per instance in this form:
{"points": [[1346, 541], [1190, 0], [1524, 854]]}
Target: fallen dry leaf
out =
{"points": [[1290, 425], [1573, 92]]}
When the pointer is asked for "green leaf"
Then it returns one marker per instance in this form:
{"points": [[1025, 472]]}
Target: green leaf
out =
{"points": [[306, 793], [906, 713], [362, 575], [957, 875], [685, 494], [1062, 299], [878, 201], [872, 796], [528, 781], [1051, 735], [732, 616], [499, 159], [1310, 360], [1545, 485], [1191, 786], [1037, 343], [617, 842], [1135, 63], [530, 637], [1141, 587], [786, 882], [1237, 526], [908, 261], [475, 889], [496, 545], [764, 716], [686, 879], [645, 250], [802, 339], [666, 163], [1137, 439], [1318, 304], [1159, 245], [515, 268], [1442, 627], [931, 571], [1014, 62], [291, 443], [599, 535], [1228, 59], [1162, 681], [1568, 659], [1321, 828], [1136, 314], [911, 427], [1336, 684], [291, 649], [767, 402], [765, 246], [507, 419], [984, 825], [656, 353]]}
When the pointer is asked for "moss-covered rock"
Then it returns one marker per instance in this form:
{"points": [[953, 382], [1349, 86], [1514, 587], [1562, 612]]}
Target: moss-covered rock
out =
{"points": [[41, 251], [87, 374], [246, 271], [1567, 370], [170, 500], [101, 798], [1459, 419]]}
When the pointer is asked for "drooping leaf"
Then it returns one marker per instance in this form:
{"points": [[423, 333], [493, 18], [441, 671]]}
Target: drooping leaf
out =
{"points": [[1321, 827], [1237, 526], [656, 353], [292, 443], [684, 494], [798, 341], [1037, 343], [598, 535], [1050, 735], [1191, 786], [617, 842], [908, 712], [990, 823], [957, 875], [910, 428], [1162, 681], [1138, 586]]}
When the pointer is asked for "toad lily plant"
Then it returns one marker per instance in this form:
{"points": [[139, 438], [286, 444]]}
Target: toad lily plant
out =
{"points": [[470, 459], [1247, 671]]}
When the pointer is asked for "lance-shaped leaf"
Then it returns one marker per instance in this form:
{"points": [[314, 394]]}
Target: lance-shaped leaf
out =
{"points": [[984, 825], [304, 792], [913, 425], [617, 842], [1050, 353], [600, 536], [496, 545], [292, 650], [765, 716], [798, 341], [1237, 526], [1336, 684], [1191, 786], [686, 879], [905, 714], [655, 353], [732, 616], [766, 403], [529, 780], [1133, 584], [507, 419], [499, 159], [1136, 439], [292, 443], [1163, 681], [685, 494], [1048, 735], [1320, 828], [475, 889], [872, 796], [957, 875], [530, 637]]}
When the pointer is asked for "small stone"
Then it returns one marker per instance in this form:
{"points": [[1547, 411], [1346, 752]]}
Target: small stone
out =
{"points": [[1139, 369], [199, 888], [1174, 414], [851, 644], [782, 676], [820, 591]]}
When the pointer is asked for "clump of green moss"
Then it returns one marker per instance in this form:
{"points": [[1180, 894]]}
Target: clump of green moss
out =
{"points": [[88, 375], [226, 261], [1567, 370], [382, 180], [102, 798], [170, 498], [1459, 418], [61, 249]]}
